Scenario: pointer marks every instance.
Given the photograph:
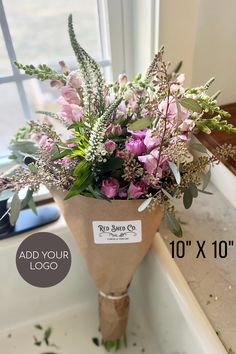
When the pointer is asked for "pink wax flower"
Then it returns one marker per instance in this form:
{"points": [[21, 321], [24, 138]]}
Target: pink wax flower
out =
{"points": [[122, 194], [120, 154], [172, 113], [110, 145], [46, 143], [150, 140], [138, 134], [136, 189], [74, 80], [70, 94], [110, 187], [113, 129], [187, 125], [135, 146]]}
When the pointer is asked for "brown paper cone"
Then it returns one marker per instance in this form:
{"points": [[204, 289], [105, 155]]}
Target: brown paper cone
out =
{"points": [[111, 265]]}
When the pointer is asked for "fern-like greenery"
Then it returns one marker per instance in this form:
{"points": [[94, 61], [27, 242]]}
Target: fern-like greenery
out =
{"points": [[42, 72]]}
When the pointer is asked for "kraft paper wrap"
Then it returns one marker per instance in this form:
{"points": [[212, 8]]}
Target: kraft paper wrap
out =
{"points": [[111, 266]]}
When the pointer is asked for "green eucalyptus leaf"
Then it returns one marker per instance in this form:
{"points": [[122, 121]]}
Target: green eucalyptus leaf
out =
{"points": [[145, 204], [27, 198], [32, 205], [191, 104], [6, 194], [204, 192], [206, 179], [15, 209], [187, 198], [198, 147], [140, 124], [168, 195], [173, 224], [175, 171], [193, 189]]}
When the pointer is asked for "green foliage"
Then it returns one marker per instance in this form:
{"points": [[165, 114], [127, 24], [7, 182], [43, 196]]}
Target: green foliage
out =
{"points": [[140, 124], [175, 171], [42, 72], [190, 104], [187, 198], [216, 123], [173, 224], [144, 205], [206, 179], [15, 209]]}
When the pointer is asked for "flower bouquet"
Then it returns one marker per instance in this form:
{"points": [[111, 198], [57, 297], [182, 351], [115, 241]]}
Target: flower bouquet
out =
{"points": [[124, 155]]}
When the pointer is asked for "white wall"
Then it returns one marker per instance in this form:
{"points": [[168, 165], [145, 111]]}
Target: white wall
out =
{"points": [[203, 34]]}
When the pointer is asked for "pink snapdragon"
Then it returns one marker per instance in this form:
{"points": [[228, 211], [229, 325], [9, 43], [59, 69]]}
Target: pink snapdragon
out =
{"points": [[122, 80], [150, 162], [151, 141], [136, 189], [168, 107], [110, 145], [135, 146], [187, 125], [70, 94], [110, 187], [71, 112], [74, 80]]}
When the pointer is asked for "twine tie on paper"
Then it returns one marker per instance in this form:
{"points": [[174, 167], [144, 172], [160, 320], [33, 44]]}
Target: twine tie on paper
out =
{"points": [[111, 297]]}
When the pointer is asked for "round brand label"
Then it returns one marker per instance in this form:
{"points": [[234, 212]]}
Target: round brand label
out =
{"points": [[43, 259]]}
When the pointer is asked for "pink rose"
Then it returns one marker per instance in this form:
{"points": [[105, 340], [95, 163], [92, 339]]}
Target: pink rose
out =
{"points": [[135, 146], [74, 80], [70, 94], [110, 145], [136, 189], [151, 141], [110, 187]]}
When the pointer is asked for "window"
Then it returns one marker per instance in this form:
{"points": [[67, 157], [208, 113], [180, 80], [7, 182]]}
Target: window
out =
{"points": [[36, 32], [120, 34]]}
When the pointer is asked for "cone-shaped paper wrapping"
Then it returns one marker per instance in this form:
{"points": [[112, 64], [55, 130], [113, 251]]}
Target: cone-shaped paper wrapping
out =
{"points": [[113, 239]]}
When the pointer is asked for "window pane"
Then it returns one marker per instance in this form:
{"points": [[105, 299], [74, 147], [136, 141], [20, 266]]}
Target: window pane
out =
{"points": [[11, 115], [39, 28], [5, 66]]}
